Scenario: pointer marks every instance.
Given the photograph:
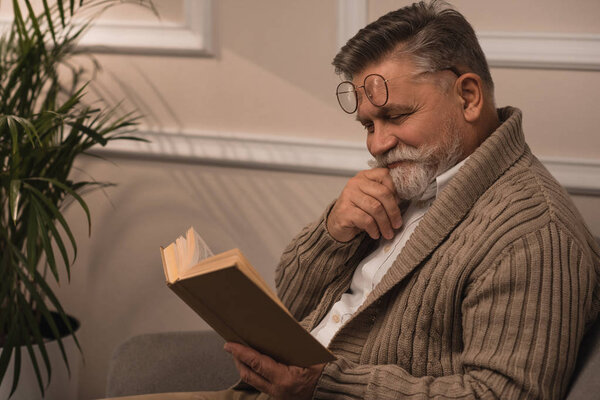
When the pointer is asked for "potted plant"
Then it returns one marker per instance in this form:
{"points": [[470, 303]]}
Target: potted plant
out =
{"points": [[45, 123]]}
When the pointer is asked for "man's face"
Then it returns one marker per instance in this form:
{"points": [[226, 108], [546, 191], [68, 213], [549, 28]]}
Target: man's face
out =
{"points": [[417, 134]]}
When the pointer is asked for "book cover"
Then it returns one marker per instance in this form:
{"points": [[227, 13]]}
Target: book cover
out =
{"points": [[229, 294]]}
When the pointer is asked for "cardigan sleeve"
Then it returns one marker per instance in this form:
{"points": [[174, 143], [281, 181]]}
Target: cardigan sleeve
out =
{"points": [[310, 264], [522, 322]]}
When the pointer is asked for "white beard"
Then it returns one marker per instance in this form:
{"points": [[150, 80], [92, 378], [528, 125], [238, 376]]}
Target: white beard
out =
{"points": [[423, 164]]}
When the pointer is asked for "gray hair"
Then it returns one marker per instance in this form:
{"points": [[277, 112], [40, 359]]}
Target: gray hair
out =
{"points": [[434, 35]]}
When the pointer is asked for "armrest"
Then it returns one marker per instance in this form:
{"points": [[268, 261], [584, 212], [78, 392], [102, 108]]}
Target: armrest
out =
{"points": [[170, 362]]}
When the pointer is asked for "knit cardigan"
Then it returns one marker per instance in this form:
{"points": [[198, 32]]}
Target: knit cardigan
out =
{"points": [[489, 298]]}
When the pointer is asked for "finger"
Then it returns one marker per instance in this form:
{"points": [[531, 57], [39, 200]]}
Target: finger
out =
{"points": [[364, 222], [347, 219], [382, 209], [252, 378], [382, 175], [387, 200], [378, 183], [378, 221], [263, 365], [358, 220]]}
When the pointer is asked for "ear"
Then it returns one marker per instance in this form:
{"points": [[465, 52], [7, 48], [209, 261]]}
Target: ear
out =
{"points": [[469, 88]]}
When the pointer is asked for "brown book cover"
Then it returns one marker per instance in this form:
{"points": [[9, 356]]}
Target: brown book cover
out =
{"points": [[230, 295]]}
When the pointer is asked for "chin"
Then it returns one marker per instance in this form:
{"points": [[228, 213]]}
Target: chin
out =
{"points": [[411, 181]]}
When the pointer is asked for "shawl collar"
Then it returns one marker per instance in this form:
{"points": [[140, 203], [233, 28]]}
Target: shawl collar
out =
{"points": [[486, 164]]}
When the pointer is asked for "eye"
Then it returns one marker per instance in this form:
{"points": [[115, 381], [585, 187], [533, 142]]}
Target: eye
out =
{"points": [[395, 117], [369, 127]]}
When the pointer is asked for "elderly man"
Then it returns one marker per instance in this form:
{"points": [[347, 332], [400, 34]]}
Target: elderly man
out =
{"points": [[456, 267]]}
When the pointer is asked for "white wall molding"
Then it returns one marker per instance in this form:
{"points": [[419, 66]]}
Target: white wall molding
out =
{"points": [[546, 50], [577, 176], [541, 50], [192, 37], [307, 155], [248, 150]]}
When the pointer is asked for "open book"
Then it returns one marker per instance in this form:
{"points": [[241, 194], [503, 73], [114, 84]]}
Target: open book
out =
{"points": [[230, 295]]}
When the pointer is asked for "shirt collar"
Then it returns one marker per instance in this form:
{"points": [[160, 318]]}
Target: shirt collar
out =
{"points": [[440, 182]]}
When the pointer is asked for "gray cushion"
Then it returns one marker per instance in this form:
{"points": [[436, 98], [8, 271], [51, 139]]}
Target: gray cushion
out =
{"points": [[586, 378], [170, 362]]}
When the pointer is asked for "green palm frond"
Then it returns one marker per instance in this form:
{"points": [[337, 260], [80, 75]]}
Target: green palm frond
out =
{"points": [[45, 124]]}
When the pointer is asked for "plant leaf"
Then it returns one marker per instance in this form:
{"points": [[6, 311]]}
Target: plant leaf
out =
{"points": [[49, 19], [41, 306], [17, 370], [14, 135], [34, 331], [15, 251], [20, 24], [40, 281], [29, 129], [44, 238], [11, 348], [36, 25], [61, 11], [7, 351], [133, 138], [32, 246], [14, 197], [97, 137], [58, 215], [69, 190]]}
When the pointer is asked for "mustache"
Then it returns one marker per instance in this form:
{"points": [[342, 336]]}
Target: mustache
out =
{"points": [[403, 153]]}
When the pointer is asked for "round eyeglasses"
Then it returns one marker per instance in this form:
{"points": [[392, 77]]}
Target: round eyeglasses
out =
{"points": [[374, 86]]}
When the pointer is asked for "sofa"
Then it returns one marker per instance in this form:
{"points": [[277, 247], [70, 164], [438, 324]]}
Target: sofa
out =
{"points": [[196, 361]]}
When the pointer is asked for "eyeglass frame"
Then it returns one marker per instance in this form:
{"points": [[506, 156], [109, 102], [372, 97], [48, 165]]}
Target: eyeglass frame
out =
{"points": [[387, 92]]}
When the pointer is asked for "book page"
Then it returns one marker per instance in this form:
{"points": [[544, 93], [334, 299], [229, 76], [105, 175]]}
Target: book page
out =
{"points": [[190, 250]]}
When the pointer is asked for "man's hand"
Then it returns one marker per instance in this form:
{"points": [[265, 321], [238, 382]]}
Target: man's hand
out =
{"points": [[267, 375], [369, 202]]}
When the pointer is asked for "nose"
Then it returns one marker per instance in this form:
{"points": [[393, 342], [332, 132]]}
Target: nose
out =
{"points": [[381, 140]]}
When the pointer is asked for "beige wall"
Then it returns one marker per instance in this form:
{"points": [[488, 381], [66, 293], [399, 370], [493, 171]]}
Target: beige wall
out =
{"points": [[578, 16], [270, 75]]}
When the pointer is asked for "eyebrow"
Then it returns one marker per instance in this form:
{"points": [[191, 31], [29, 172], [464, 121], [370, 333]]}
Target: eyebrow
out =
{"points": [[388, 109]]}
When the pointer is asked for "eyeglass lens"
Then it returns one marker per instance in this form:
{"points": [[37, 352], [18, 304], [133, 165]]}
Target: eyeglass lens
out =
{"points": [[346, 95], [375, 88]]}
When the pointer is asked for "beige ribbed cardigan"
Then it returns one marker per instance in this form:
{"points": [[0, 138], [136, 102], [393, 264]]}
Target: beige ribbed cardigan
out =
{"points": [[488, 299]]}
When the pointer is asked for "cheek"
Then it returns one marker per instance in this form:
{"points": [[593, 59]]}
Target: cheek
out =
{"points": [[430, 130], [412, 132]]}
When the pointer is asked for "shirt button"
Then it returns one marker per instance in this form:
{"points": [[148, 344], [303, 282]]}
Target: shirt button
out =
{"points": [[387, 248], [336, 318]]}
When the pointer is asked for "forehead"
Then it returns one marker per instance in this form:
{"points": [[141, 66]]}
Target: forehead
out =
{"points": [[388, 68]]}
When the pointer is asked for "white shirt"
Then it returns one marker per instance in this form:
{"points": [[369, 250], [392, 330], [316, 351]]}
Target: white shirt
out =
{"points": [[372, 268]]}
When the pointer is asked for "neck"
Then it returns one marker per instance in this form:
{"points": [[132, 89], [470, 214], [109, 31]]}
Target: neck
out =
{"points": [[484, 127], [490, 122]]}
